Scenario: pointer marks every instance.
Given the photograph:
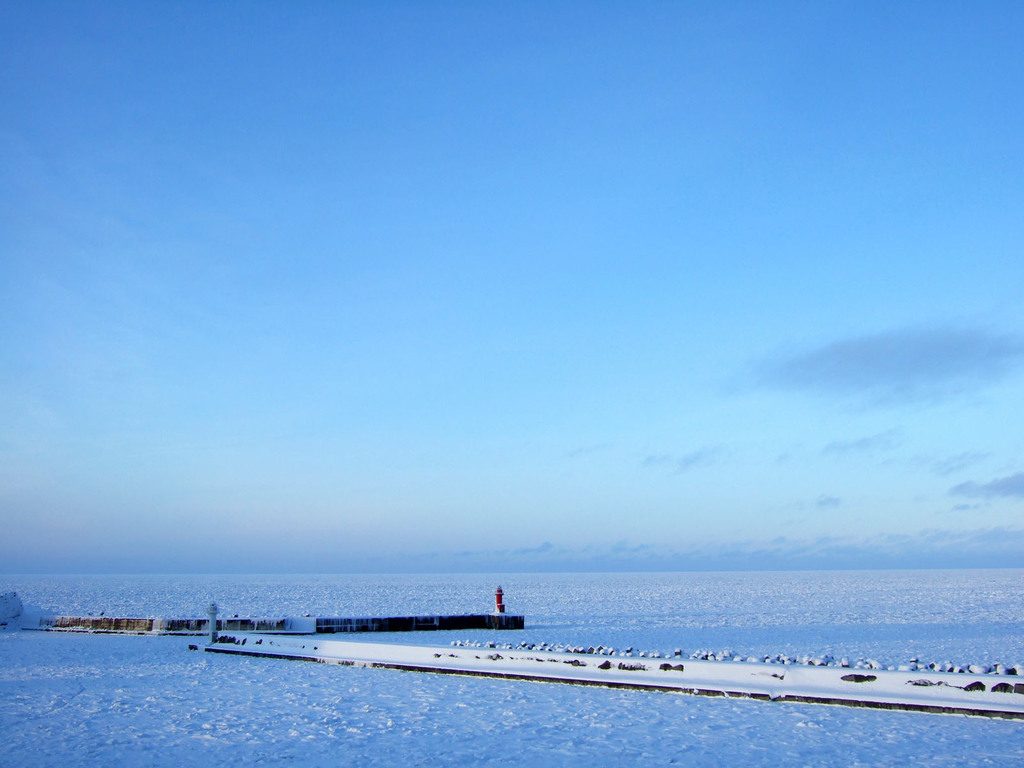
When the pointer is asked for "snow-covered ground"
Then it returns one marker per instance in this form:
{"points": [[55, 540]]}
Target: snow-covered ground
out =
{"points": [[72, 699], [976, 691]]}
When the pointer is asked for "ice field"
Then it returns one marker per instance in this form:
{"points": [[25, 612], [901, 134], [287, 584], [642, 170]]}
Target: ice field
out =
{"points": [[72, 698]]}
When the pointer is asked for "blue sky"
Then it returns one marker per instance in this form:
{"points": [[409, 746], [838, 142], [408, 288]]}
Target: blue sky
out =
{"points": [[511, 286]]}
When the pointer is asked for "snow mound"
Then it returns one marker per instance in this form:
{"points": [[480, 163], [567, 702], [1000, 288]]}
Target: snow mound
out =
{"points": [[11, 609]]}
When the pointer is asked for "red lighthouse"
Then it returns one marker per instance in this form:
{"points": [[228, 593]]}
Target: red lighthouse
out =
{"points": [[499, 606]]}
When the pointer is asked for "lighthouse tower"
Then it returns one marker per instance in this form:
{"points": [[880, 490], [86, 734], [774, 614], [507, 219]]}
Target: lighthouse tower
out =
{"points": [[499, 606]]}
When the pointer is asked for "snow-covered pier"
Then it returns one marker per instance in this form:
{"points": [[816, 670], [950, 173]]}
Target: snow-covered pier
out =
{"points": [[300, 625], [288, 625], [927, 691], [158, 626], [420, 623]]}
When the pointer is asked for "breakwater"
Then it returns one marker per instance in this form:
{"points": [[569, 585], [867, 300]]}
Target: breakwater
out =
{"points": [[300, 625], [919, 690], [159, 626], [420, 623]]}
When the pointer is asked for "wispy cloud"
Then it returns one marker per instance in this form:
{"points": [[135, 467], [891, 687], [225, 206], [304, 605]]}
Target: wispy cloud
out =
{"points": [[586, 450], [898, 366], [1011, 486], [961, 461], [965, 507], [880, 442], [656, 460], [625, 548], [934, 548], [679, 464], [540, 549], [697, 458]]}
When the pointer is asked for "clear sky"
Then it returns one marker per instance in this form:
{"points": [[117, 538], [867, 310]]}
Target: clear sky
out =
{"points": [[511, 286]]}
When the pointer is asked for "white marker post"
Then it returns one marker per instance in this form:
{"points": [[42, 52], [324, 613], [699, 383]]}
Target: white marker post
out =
{"points": [[211, 613]]}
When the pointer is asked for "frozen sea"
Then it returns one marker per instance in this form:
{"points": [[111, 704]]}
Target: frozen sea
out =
{"points": [[71, 699]]}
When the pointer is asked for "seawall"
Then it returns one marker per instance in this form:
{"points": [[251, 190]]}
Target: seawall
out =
{"points": [[945, 693], [301, 625]]}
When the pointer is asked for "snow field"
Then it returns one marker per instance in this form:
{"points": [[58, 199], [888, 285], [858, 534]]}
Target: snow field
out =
{"points": [[141, 701]]}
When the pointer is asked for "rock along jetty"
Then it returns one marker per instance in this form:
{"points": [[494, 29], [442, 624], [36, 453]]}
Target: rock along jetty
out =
{"points": [[931, 691]]}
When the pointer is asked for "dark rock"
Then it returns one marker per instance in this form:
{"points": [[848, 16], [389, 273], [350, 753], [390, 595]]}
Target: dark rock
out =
{"points": [[855, 678]]}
